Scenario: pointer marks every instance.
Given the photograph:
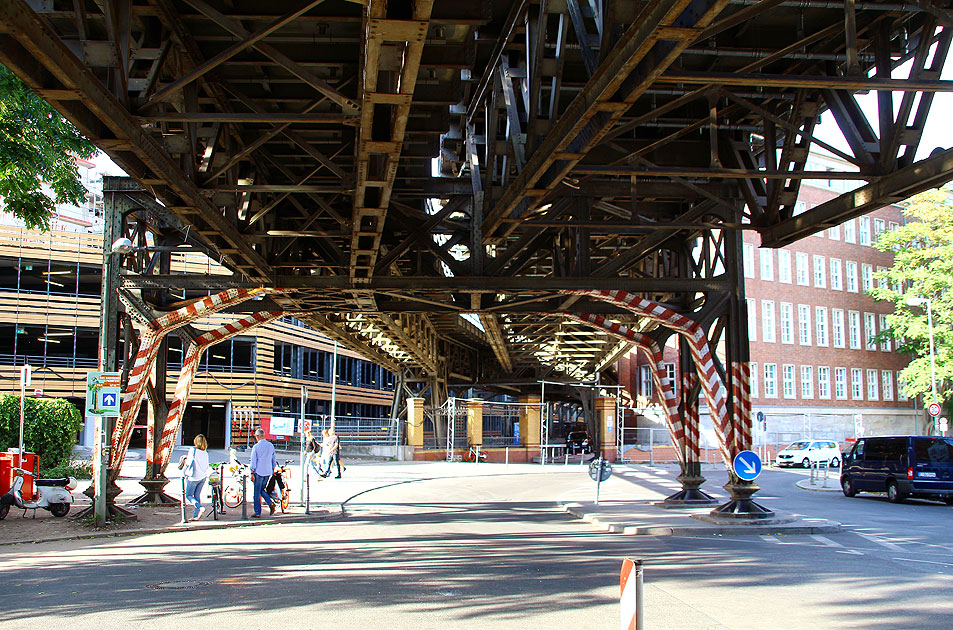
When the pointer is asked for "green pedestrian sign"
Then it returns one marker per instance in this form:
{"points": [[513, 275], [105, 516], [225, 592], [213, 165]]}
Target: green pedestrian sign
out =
{"points": [[103, 394]]}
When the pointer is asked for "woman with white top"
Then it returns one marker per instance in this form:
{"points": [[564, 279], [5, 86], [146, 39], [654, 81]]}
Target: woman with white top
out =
{"points": [[196, 472]]}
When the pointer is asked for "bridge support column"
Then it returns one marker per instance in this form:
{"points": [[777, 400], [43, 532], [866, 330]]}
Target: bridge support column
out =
{"points": [[606, 415], [415, 423], [475, 422], [529, 424]]}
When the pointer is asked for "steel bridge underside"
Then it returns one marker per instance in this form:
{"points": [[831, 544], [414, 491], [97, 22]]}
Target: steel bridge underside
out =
{"points": [[433, 182]]}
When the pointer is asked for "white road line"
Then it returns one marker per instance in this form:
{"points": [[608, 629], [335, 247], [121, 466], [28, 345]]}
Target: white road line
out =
{"points": [[827, 541], [770, 539], [880, 541], [945, 564], [852, 552]]}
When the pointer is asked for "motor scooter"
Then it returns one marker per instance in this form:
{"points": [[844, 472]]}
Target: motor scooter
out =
{"points": [[54, 495]]}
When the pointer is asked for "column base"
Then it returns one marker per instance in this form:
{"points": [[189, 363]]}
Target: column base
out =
{"points": [[154, 493], [741, 506], [112, 491]]}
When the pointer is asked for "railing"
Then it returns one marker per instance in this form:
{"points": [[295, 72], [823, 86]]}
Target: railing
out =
{"points": [[41, 361], [351, 430]]}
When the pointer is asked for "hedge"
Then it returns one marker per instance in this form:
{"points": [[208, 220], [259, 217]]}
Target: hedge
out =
{"points": [[50, 426]]}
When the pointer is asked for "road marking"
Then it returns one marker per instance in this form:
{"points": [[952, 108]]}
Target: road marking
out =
{"points": [[945, 564], [770, 539], [827, 541], [880, 541], [851, 552]]}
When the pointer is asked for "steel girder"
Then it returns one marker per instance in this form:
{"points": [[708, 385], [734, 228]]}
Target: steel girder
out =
{"points": [[393, 166]]}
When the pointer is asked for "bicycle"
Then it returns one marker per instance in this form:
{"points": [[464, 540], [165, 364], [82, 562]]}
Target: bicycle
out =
{"points": [[234, 493], [471, 455], [215, 482], [281, 477]]}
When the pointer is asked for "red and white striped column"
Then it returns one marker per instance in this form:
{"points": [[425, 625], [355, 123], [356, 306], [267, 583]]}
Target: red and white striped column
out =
{"points": [[190, 366]]}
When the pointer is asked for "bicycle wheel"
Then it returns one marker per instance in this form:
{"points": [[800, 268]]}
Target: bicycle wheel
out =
{"points": [[285, 498], [234, 495], [482, 456], [469, 456]]}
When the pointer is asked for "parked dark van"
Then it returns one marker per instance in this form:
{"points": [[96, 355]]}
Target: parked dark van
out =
{"points": [[904, 466]]}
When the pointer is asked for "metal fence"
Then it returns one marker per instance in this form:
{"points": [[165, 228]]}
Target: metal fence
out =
{"points": [[351, 430], [500, 424]]}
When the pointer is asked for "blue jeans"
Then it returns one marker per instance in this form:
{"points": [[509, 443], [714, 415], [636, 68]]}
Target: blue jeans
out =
{"points": [[193, 495], [260, 493]]}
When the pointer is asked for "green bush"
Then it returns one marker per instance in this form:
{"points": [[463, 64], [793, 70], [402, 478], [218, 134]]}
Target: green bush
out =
{"points": [[80, 469], [50, 426]]}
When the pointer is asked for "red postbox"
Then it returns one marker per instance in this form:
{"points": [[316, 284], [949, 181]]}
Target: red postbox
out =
{"points": [[30, 462]]}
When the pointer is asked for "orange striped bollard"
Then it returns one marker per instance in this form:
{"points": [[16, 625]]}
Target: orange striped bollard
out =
{"points": [[630, 598]]}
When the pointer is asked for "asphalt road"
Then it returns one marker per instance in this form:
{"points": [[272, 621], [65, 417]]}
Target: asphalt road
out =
{"points": [[456, 545]]}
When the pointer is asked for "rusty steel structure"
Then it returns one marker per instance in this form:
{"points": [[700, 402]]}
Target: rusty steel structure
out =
{"points": [[446, 186]]}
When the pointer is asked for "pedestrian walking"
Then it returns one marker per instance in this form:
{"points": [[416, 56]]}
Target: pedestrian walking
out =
{"points": [[196, 471], [334, 453], [263, 464], [312, 450]]}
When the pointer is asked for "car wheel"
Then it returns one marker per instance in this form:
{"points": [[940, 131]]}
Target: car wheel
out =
{"points": [[3, 511], [893, 492], [848, 487], [59, 509], [806, 463], [948, 500], [835, 463]]}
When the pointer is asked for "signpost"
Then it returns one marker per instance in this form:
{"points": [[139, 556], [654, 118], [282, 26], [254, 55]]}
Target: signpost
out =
{"points": [[747, 465], [934, 409], [103, 399], [26, 373], [599, 471]]}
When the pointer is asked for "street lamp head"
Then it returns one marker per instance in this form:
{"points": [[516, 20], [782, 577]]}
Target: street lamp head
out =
{"points": [[121, 246], [916, 301]]}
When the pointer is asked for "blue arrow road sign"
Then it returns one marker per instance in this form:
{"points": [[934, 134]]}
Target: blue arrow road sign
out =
{"points": [[747, 465], [109, 400]]}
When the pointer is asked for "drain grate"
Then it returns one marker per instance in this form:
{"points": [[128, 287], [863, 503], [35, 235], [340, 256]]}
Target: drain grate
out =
{"points": [[178, 584]]}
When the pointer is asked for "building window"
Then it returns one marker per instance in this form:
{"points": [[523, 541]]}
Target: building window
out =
{"points": [[824, 383], [804, 324], [871, 384], [787, 323], [747, 260], [870, 329], [901, 395], [887, 384], [837, 280], [767, 263], [784, 266], [800, 207], [851, 276], [752, 319], [882, 281], [770, 380], [833, 233], [820, 273], [840, 383], [853, 329], [753, 381], [837, 327], [850, 234], [878, 227], [863, 227], [857, 384], [807, 381], [767, 321], [670, 374], [885, 345], [787, 381], [800, 261], [820, 321], [893, 225], [867, 277], [645, 382]]}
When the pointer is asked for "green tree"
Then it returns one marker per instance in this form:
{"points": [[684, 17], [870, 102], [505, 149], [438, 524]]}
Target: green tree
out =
{"points": [[37, 145], [923, 268]]}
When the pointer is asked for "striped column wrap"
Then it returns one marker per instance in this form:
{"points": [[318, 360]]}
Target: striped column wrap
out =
{"points": [[190, 366], [692, 442], [741, 394], [711, 382], [149, 341], [654, 354]]}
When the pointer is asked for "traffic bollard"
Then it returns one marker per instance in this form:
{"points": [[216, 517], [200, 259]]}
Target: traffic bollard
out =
{"points": [[182, 502], [507, 456], [245, 496], [630, 596]]}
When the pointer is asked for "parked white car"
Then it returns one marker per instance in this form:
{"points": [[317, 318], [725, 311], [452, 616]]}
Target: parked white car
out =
{"points": [[806, 452]]}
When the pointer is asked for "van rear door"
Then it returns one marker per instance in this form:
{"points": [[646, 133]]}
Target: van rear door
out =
{"points": [[932, 464]]}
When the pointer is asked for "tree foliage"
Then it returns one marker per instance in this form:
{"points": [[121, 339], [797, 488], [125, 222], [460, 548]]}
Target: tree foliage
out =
{"points": [[50, 426], [923, 268], [37, 145]]}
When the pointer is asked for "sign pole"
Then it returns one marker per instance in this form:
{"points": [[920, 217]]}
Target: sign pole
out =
{"points": [[100, 467], [25, 373], [304, 474]]}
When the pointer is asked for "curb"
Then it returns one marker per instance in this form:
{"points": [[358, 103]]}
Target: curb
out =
{"points": [[805, 484], [303, 518], [688, 530]]}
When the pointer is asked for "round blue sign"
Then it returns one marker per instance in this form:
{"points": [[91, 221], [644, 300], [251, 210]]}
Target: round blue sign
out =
{"points": [[747, 465]]}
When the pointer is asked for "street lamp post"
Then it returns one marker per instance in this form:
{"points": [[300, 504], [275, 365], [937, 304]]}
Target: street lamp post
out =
{"points": [[921, 302]]}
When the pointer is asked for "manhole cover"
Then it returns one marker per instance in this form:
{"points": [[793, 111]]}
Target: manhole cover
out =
{"points": [[179, 584]]}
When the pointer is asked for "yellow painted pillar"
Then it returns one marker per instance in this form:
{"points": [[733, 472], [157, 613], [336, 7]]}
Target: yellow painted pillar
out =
{"points": [[475, 422], [606, 414], [415, 422], [529, 422]]}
